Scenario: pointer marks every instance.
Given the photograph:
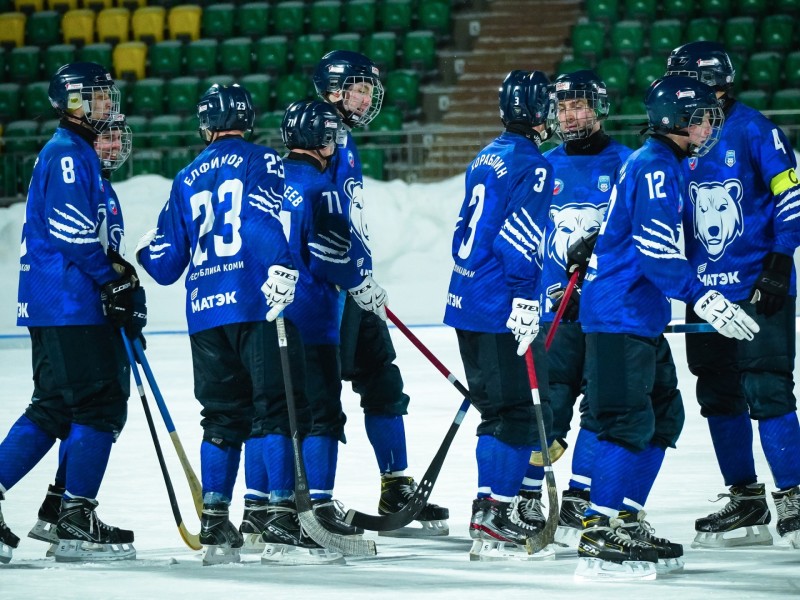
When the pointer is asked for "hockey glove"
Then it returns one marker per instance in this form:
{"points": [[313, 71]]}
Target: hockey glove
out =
{"points": [[370, 296], [579, 253], [573, 304], [523, 322], [279, 289], [726, 317], [772, 286], [144, 242]]}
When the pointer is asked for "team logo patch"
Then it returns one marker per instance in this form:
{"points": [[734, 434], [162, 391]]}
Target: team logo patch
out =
{"points": [[693, 163], [112, 206], [604, 183], [351, 159], [730, 158], [558, 187]]}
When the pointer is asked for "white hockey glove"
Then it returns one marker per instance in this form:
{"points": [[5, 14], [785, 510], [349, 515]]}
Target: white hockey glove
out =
{"points": [[144, 242], [279, 289], [726, 317], [370, 296], [524, 322]]}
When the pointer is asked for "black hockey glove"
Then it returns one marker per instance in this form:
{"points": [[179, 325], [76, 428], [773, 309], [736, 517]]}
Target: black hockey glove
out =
{"points": [[124, 300], [573, 303], [772, 286], [579, 253]]}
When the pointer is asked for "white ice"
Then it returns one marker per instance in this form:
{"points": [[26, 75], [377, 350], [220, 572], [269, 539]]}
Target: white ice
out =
{"points": [[411, 227]]}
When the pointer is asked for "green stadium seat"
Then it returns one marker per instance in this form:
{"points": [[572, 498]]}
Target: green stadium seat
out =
{"points": [[758, 99], [434, 15], [632, 106], [678, 9], [48, 128], [776, 32], [753, 8], [23, 64], [253, 19], [359, 16], [3, 61], [588, 41], [290, 88], [260, 88], [402, 90], [419, 51], [130, 59], [381, 47], [702, 29], [389, 120], [627, 38], [268, 123], [21, 136], [642, 10], [124, 86], [176, 159], [147, 24], [201, 57], [646, 70], [166, 58], [308, 49], [325, 16], [43, 28], [63, 6], [97, 53], [716, 8], [113, 25], [344, 41], [570, 65], [791, 69], [138, 125], [147, 96], [372, 161], [56, 56], [790, 7], [665, 36], [182, 94], [395, 15], [146, 162], [739, 34], [12, 29], [219, 78], [166, 131], [37, 104], [191, 137], [788, 99], [615, 73], [218, 21], [97, 5], [234, 55], [288, 18], [764, 71], [271, 54], [603, 11]]}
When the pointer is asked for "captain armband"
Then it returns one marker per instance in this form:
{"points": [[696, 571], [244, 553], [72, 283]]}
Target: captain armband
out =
{"points": [[783, 181]]}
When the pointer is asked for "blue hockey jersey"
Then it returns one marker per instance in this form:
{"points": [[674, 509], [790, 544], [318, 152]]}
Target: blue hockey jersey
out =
{"points": [[222, 220], [497, 243], [744, 203], [580, 197], [63, 261], [638, 263]]}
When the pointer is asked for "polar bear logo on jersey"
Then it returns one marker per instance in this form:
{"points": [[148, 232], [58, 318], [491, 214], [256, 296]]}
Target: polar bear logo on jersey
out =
{"points": [[572, 222], [717, 214]]}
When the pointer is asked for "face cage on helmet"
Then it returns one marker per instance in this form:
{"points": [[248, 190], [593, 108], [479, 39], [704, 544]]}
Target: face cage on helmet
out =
{"points": [[84, 98], [716, 119], [352, 118], [110, 160], [706, 77], [593, 102]]}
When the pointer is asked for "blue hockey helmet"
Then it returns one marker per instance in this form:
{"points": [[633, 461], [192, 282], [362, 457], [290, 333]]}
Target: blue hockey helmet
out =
{"points": [[706, 61], [354, 81], [85, 91], [679, 104], [310, 125], [525, 98], [114, 144], [569, 120], [225, 108]]}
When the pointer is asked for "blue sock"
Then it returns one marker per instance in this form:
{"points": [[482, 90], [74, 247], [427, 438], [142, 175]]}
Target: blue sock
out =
{"points": [[583, 460], [87, 455], [780, 439], [279, 458], [24, 446], [643, 477], [214, 472], [613, 467], [231, 470], [320, 454], [484, 454], [733, 445], [387, 434], [61, 472], [533, 478], [510, 464], [255, 470]]}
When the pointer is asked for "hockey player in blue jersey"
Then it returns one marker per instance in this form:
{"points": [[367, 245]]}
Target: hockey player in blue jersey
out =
{"points": [[351, 83], [585, 167], [75, 292], [493, 304], [631, 384], [222, 222], [742, 231]]}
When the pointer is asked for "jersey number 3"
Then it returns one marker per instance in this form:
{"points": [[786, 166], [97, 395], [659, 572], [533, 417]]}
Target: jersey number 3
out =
{"points": [[229, 196]]}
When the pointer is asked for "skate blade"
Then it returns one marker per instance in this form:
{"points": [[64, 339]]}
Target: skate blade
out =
{"points": [[253, 543], [5, 553], [754, 535], [426, 529], [81, 551], [669, 565], [51, 550], [595, 569], [220, 555], [790, 540], [284, 554], [568, 537], [492, 550], [44, 532]]}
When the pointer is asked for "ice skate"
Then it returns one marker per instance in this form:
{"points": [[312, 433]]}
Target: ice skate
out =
{"points": [[669, 553], [570, 518], [331, 516], [82, 536], [787, 503], [286, 543], [45, 528], [395, 494], [741, 522], [607, 552], [8, 541], [253, 523], [220, 539], [500, 533]]}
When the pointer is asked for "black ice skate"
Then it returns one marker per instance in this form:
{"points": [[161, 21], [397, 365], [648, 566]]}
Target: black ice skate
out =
{"points": [[8, 541], [570, 518], [82, 536], [286, 543], [220, 538], [669, 553], [331, 516], [45, 528], [395, 494], [607, 552], [741, 522], [502, 532], [787, 503], [253, 522]]}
